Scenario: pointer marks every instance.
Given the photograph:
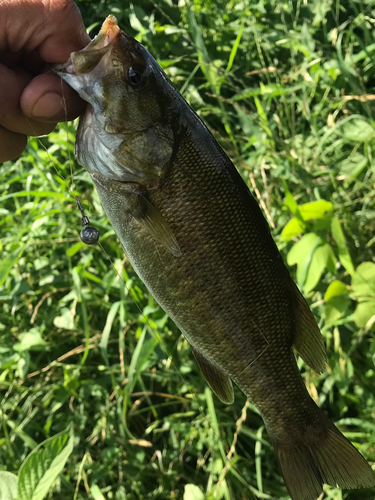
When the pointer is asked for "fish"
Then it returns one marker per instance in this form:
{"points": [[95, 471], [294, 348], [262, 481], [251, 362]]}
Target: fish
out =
{"points": [[199, 241]]}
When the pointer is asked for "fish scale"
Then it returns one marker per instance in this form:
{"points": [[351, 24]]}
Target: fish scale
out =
{"points": [[199, 241], [237, 273]]}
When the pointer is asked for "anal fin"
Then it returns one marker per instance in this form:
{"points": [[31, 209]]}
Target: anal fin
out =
{"points": [[219, 381], [308, 341]]}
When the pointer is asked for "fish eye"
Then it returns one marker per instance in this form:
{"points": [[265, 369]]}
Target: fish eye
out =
{"points": [[135, 78]]}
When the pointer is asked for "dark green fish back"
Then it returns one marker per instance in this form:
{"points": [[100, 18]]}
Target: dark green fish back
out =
{"points": [[219, 290]]}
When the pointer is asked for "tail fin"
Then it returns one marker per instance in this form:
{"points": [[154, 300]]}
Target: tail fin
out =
{"points": [[330, 459]]}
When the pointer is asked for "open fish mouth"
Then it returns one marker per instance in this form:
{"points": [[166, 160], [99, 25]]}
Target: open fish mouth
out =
{"points": [[84, 61], [89, 65], [108, 50]]}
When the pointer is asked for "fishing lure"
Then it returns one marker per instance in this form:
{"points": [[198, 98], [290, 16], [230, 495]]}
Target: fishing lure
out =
{"points": [[89, 235]]}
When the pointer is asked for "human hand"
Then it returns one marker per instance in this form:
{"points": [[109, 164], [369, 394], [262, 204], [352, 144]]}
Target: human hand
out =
{"points": [[34, 34]]}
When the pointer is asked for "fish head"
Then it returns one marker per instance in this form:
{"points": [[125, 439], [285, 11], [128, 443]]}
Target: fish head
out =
{"points": [[127, 132]]}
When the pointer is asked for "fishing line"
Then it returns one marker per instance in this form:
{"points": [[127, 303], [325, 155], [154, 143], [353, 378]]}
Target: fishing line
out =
{"points": [[67, 132]]}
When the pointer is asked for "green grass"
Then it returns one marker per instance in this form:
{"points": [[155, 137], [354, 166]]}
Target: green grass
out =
{"points": [[282, 86]]}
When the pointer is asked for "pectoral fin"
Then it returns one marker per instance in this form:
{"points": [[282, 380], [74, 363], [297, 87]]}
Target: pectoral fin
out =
{"points": [[308, 340], [219, 382], [150, 218], [135, 203]]}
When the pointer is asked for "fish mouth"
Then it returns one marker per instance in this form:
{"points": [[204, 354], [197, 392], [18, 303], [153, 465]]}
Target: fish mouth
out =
{"points": [[85, 60], [107, 34]]}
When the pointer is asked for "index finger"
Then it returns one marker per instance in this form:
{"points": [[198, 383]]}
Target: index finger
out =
{"points": [[53, 28], [65, 32]]}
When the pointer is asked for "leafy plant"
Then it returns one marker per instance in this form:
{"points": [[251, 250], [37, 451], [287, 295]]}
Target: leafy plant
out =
{"points": [[39, 471], [287, 90]]}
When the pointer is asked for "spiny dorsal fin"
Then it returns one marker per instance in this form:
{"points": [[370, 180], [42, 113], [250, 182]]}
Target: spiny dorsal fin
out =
{"points": [[308, 340], [219, 382]]}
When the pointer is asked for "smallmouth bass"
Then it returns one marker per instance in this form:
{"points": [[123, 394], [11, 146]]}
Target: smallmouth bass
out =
{"points": [[199, 241]]}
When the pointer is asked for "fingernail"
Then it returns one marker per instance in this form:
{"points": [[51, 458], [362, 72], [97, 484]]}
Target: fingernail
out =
{"points": [[48, 106]]}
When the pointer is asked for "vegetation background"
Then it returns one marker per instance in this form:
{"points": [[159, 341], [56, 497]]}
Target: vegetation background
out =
{"points": [[287, 88]]}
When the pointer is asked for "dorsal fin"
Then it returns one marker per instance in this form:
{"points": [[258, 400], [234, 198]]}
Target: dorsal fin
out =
{"points": [[219, 381], [308, 341]]}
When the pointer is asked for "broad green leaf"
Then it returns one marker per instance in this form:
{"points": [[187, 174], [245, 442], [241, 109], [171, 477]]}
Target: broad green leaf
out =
{"points": [[363, 281], [192, 492], [316, 209], [292, 229], [337, 301], [41, 468], [66, 320], [365, 311], [339, 238], [358, 130], [335, 289], [31, 340], [322, 258], [8, 485], [301, 254], [302, 248], [290, 202], [9, 261], [319, 209], [336, 308]]}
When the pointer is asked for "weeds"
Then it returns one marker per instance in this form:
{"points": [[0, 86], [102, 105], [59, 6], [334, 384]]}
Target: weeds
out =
{"points": [[287, 88]]}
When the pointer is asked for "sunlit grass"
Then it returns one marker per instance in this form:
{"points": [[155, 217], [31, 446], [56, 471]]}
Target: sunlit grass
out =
{"points": [[287, 90]]}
